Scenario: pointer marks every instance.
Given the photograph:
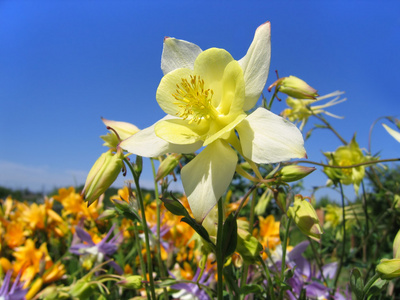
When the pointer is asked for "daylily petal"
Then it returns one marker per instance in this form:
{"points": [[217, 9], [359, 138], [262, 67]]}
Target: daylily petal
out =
{"points": [[147, 143], [178, 131], [255, 64], [178, 54], [206, 178], [167, 88], [268, 138], [395, 134]]}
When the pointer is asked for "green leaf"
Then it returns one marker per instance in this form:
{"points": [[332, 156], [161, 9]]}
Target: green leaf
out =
{"points": [[251, 289], [357, 283], [199, 229], [229, 235], [175, 206], [125, 209]]}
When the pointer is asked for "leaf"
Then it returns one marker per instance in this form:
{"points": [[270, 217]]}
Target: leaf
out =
{"points": [[251, 289], [357, 283], [175, 206], [229, 236], [125, 209]]}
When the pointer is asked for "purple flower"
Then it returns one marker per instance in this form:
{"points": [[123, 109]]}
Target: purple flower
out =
{"points": [[193, 290], [101, 250], [16, 292]]}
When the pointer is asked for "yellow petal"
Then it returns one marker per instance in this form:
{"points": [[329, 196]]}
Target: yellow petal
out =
{"points": [[179, 132]]}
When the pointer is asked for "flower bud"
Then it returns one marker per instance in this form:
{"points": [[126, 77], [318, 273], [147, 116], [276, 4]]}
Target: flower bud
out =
{"points": [[103, 173], [396, 245], [248, 246], [131, 282], [293, 172], [305, 217], [119, 131], [389, 268], [294, 87], [168, 165]]}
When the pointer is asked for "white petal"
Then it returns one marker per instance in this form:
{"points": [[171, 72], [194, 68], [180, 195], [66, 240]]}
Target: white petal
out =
{"points": [[146, 143], [206, 178], [255, 64], [392, 132], [178, 54], [268, 138]]}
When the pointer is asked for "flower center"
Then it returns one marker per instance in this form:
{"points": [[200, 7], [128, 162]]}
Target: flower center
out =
{"points": [[194, 101], [346, 162]]}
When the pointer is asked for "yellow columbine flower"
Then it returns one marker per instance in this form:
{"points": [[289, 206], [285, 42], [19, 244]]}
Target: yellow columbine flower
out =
{"points": [[205, 95], [346, 155], [300, 109]]}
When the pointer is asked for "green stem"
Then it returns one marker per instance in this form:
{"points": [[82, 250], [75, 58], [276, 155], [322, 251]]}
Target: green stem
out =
{"points": [[350, 166], [344, 239], [268, 275], [366, 232], [145, 230], [220, 263], [142, 264], [283, 265], [331, 128], [369, 284], [158, 240]]}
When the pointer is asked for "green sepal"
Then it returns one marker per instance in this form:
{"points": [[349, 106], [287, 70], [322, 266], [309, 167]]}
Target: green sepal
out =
{"points": [[229, 236], [357, 283], [125, 209]]}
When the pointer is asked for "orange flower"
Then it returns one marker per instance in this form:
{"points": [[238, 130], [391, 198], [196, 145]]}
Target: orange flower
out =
{"points": [[35, 216], [268, 234], [14, 235]]}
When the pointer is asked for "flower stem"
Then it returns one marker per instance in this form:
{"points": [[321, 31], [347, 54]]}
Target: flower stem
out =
{"points": [[220, 263], [331, 128], [373, 162], [284, 246], [344, 239], [158, 241], [146, 231]]}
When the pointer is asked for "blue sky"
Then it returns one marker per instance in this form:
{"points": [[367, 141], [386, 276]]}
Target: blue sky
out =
{"points": [[65, 64]]}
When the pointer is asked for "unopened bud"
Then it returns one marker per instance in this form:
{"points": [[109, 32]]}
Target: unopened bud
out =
{"points": [[168, 165], [293, 172], [248, 246], [389, 268], [131, 282], [294, 87], [305, 217], [396, 245], [103, 173]]}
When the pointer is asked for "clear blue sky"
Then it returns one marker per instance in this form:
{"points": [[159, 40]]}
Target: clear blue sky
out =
{"points": [[64, 64]]}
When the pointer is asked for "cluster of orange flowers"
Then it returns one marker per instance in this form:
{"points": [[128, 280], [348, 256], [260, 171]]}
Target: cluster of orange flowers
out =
{"points": [[31, 231]]}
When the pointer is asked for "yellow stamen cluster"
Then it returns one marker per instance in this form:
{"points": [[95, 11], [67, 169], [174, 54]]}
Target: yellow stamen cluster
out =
{"points": [[343, 163], [194, 100]]}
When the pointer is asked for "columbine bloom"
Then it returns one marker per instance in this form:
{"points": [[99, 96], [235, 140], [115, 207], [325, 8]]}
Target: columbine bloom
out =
{"points": [[300, 110], [205, 95], [395, 134], [99, 251]]}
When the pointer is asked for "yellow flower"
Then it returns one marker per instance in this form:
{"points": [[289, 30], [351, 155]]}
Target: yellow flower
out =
{"points": [[205, 95], [268, 234], [35, 216], [15, 234], [119, 131], [346, 155], [300, 110]]}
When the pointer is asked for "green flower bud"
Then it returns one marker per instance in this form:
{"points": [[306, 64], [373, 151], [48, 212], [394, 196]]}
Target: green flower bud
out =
{"points": [[168, 165], [396, 244], [389, 268], [131, 282], [305, 217], [294, 87], [248, 246], [103, 173], [293, 172], [82, 289]]}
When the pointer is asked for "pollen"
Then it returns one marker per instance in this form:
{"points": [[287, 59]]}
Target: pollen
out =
{"points": [[346, 162], [194, 100]]}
